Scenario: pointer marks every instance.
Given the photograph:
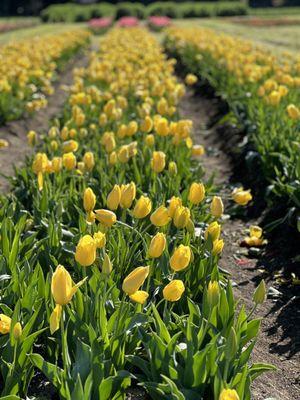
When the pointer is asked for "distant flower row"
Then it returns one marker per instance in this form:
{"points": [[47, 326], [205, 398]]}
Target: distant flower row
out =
{"points": [[154, 22]]}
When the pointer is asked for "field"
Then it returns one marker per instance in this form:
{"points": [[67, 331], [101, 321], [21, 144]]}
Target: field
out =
{"points": [[150, 210]]}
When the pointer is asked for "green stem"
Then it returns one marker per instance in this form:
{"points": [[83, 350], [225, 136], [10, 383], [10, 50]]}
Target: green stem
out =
{"points": [[63, 345]]}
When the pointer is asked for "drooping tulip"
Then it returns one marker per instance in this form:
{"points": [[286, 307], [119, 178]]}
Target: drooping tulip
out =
{"points": [[140, 296], [173, 290], [142, 207], [241, 196], [135, 280], [160, 217], [106, 217]]}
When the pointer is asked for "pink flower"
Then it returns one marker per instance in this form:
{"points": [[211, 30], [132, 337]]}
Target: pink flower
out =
{"points": [[126, 22], [100, 23], [159, 21]]}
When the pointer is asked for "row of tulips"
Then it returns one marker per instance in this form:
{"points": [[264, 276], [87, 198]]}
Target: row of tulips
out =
{"points": [[262, 90], [28, 68], [110, 246]]}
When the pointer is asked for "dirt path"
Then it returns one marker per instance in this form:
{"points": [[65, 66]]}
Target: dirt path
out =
{"points": [[279, 340], [15, 132]]}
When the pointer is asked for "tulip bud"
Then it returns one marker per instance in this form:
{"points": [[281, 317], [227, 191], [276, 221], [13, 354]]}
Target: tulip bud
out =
{"points": [[160, 217], [172, 168], [113, 158], [70, 146], [89, 161], [260, 293], [135, 280], [229, 394], [142, 207], [17, 331], [147, 124], [231, 345], [107, 265], [149, 140], [157, 245], [213, 231], [89, 200], [31, 138], [180, 258], [191, 79], [241, 197], [190, 226], [196, 193], [181, 217], [57, 164], [69, 161], [55, 318], [5, 324], [100, 239], [217, 246], [173, 290], [80, 168], [162, 127], [140, 296], [128, 193], [213, 294], [175, 202], [293, 111], [113, 198], [132, 128], [198, 150], [106, 217], [85, 253], [123, 154], [62, 286], [217, 207], [255, 231], [158, 161]]}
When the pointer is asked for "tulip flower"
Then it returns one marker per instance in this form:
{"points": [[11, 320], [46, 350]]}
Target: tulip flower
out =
{"points": [[123, 154], [113, 198], [55, 318], [180, 258], [241, 196], [217, 207], [196, 193], [147, 124], [142, 207], [191, 79], [158, 161], [17, 331], [162, 127], [260, 293], [229, 394], [128, 193], [5, 323], [70, 146], [89, 200], [113, 158], [173, 290], [160, 217], [135, 280], [149, 140], [217, 246], [175, 202], [85, 253], [69, 161], [293, 111], [140, 296], [213, 294], [56, 164], [89, 161], [31, 138], [106, 217], [172, 168], [62, 287], [255, 239], [107, 265], [157, 245], [100, 239], [213, 231], [181, 217], [198, 150]]}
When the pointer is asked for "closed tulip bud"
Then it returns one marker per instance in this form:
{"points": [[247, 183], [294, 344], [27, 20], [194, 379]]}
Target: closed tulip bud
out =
{"points": [[64, 134], [69, 161], [70, 146], [260, 293], [149, 140], [198, 150], [229, 394], [80, 168], [181, 217], [231, 345], [107, 265], [172, 168], [142, 207], [113, 198], [100, 239], [173, 290], [147, 125], [213, 231], [57, 164], [180, 258], [217, 207], [241, 196], [89, 161], [158, 161], [128, 193], [135, 280], [31, 138], [162, 127], [160, 217], [85, 253], [196, 193], [274, 98], [113, 158], [123, 154], [191, 79], [5, 324], [175, 202], [122, 130], [54, 145], [106, 217], [102, 119], [190, 226], [213, 294], [89, 200], [17, 331], [293, 111], [53, 131], [55, 318], [255, 231], [132, 128], [62, 287], [157, 245], [140, 296]]}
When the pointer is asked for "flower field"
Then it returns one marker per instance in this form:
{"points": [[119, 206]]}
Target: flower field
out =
{"points": [[112, 235]]}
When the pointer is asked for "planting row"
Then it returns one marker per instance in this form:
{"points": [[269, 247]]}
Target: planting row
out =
{"points": [[28, 69], [110, 245], [262, 90]]}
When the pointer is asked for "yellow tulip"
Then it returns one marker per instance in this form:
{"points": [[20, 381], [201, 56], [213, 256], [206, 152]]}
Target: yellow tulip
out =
{"points": [[17, 331], [89, 200], [69, 161], [213, 231], [217, 246], [217, 207], [181, 217], [85, 253], [149, 140], [135, 280], [5, 323], [293, 111], [191, 79], [31, 138], [113, 158], [158, 161], [241, 196], [100, 239], [40, 163], [198, 150], [157, 245], [128, 193], [113, 198], [175, 202], [70, 146], [123, 154], [180, 258], [213, 294], [106, 217], [57, 164], [229, 394], [132, 128], [172, 168], [62, 287], [162, 127], [142, 207], [140, 296], [160, 217], [55, 318], [147, 124], [255, 231], [173, 290], [196, 193], [89, 161]]}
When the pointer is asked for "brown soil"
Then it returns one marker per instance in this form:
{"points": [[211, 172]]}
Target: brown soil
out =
{"points": [[279, 339], [15, 132]]}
